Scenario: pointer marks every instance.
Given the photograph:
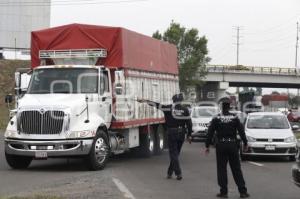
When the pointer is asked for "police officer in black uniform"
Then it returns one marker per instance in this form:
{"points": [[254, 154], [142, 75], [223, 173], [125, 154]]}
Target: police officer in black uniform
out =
{"points": [[178, 123], [226, 125]]}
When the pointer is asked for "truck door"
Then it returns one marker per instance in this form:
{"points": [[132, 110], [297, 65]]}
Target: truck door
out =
{"points": [[105, 96]]}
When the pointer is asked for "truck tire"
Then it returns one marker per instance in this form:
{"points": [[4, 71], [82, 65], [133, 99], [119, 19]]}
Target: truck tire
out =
{"points": [[18, 162], [159, 140], [147, 140], [292, 158], [99, 154]]}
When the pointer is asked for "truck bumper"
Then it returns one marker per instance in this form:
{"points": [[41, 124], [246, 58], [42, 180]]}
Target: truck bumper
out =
{"points": [[53, 148]]}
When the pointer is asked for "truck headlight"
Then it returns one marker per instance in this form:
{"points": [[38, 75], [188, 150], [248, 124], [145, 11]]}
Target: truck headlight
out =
{"points": [[13, 113], [290, 139], [10, 134], [251, 139]]}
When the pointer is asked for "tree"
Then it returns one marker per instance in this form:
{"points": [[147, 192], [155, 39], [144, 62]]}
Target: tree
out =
{"points": [[258, 91], [275, 93], [246, 89], [157, 35], [294, 101], [192, 53]]}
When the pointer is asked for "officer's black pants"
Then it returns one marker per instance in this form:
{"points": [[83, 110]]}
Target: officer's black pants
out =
{"points": [[228, 151], [175, 141]]}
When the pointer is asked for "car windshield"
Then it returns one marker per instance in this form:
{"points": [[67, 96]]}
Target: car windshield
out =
{"points": [[64, 80], [204, 112], [267, 122]]}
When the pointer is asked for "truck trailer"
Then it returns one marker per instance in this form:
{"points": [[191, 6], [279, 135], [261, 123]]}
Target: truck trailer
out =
{"points": [[81, 100]]}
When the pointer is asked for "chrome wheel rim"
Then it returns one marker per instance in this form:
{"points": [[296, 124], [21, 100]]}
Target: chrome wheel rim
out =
{"points": [[101, 150], [151, 143], [161, 141]]}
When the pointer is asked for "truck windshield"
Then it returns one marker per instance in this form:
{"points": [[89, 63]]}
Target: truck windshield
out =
{"points": [[64, 80]]}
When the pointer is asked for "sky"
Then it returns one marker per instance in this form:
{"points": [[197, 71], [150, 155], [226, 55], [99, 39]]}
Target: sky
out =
{"points": [[268, 27]]}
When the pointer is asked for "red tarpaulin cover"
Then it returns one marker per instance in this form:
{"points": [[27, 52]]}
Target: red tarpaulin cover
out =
{"points": [[126, 49]]}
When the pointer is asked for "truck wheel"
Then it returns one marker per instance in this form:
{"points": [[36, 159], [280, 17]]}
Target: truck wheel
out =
{"points": [[99, 153], [292, 158], [159, 140], [18, 162], [147, 142]]}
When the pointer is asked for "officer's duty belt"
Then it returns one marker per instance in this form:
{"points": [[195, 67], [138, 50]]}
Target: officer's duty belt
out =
{"points": [[179, 129], [227, 140]]}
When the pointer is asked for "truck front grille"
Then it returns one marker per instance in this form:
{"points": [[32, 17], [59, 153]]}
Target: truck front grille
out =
{"points": [[36, 122]]}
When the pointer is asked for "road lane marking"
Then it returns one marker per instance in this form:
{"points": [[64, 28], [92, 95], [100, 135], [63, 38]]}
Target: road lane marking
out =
{"points": [[123, 189], [256, 164]]}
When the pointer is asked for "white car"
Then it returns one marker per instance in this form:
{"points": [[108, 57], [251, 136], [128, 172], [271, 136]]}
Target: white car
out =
{"points": [[201, 117], [270, 134]]}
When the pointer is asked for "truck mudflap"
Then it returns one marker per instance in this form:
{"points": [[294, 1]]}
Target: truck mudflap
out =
{"points": [[43, 149]]}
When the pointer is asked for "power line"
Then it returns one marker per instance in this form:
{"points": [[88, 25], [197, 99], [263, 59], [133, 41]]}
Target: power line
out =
{"points": [[283, 30], [271, 45], [221, 54], [65, 2], [275, 27], [273, 40], [269, 48]]}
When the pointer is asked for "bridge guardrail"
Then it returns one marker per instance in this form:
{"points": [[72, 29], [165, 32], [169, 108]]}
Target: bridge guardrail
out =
{"points": [[251, 69]]}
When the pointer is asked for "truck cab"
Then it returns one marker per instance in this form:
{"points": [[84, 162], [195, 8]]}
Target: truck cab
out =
{"points": [[82, 98], [61, 113], [77, 109]]}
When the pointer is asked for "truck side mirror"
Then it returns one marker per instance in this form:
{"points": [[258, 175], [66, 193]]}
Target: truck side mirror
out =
{"points": [[18, 91], [8, 99], [119, 89]]}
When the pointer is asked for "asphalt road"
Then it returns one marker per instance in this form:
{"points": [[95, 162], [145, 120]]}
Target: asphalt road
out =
{"points": [[137, 178]]}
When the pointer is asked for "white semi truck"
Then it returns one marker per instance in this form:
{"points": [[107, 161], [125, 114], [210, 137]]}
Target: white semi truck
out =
{"points": [[82, 97]]}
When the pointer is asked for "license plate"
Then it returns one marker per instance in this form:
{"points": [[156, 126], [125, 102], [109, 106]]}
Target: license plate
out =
{"points": [[270, 148], [41, 155]]}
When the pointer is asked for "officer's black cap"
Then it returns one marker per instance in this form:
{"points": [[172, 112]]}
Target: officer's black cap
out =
{"points": [[225, 102], [177, 98]]}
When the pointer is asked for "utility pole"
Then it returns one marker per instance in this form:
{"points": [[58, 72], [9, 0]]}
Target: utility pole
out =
{"points": [[296, 57], [237, 28], [297, 45], [15, 48]]}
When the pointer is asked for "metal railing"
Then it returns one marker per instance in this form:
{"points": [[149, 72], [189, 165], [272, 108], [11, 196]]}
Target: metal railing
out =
{"points": [[251, 70], [82, 53]]}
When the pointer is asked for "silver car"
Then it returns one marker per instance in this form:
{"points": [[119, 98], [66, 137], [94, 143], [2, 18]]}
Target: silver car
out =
{"points": [[270, 134], [201, 117]]}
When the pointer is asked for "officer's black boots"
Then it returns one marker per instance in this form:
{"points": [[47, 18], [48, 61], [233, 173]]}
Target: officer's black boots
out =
{"points": [[222, 195], [179, 177], [244, 195]]}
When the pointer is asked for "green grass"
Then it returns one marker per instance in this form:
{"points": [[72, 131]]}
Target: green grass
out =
{"points": [[7, 70]]}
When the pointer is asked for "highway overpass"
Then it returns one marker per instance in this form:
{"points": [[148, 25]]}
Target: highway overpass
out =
{"points": [[251, 76]]}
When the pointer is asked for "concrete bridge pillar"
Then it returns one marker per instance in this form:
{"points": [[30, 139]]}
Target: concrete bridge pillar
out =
{"points": [[212, 91]]}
